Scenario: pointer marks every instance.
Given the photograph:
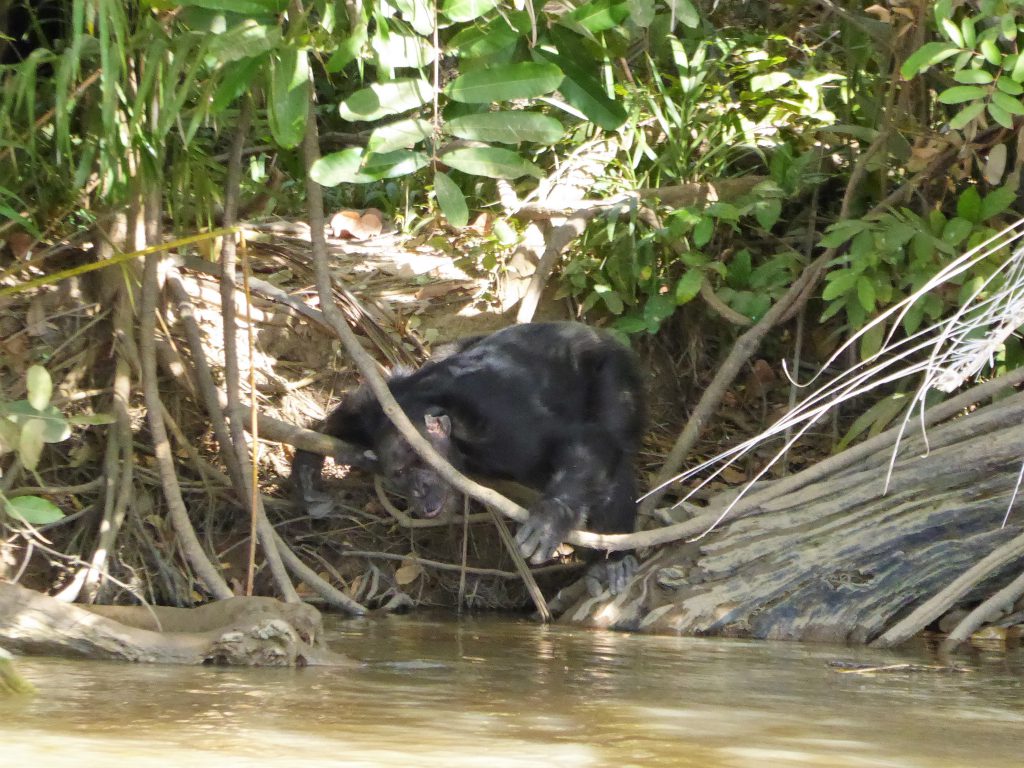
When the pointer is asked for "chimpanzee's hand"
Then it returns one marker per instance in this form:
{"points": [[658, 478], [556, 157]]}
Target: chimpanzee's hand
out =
{"points": [[613, 573], [539, 537]]}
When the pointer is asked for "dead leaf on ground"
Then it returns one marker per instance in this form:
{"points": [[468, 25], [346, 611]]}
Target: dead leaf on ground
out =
{"points": [[408, 573]]}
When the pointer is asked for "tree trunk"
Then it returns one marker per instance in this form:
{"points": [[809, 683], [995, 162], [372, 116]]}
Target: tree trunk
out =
{"points": [[842, 559], [252, 631]]}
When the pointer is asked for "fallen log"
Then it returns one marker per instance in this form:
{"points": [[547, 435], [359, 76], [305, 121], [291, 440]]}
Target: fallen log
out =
{"points": [[242, 631]]}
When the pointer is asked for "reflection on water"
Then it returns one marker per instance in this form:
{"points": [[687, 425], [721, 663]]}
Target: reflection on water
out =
{"points": [[498, 693]]}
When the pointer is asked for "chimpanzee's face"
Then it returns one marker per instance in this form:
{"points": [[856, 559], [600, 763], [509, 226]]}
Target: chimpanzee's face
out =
{"points": [[427, 494]]}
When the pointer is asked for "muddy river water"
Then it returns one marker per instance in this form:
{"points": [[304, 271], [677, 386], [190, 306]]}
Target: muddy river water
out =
{"points": [[499, 692]]}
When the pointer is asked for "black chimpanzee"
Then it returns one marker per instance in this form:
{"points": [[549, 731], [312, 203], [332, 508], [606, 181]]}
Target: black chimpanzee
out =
{"points": [[557, 407]]}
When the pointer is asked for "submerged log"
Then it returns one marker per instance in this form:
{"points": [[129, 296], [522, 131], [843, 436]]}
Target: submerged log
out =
{"points": [[843, 558], [243, 631]]}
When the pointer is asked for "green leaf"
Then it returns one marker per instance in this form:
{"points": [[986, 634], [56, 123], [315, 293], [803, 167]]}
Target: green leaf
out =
{"points": [[256, 7], [391, 97], [39, 386], [398, 50], [30, 443], [927, 55], [352, 167], [991, 52], [866, 293], [288, 104], [91, 419], [400, 135], [871, 341], [966, 115], [34, 510], [703, 231], [245, 40], [769, 81], [524, 80], [451, 200], [507, 127], [1000, 115], [968, 205], [996, 202], [952, 31], [484, 41], [596, 16], [961, 93], [586, 94], [237, 78], [492, 162], [767, 212], [348, 50], [685, 12], [504, 233], [841, 231], [689, 286], [956, 230], [840, 282], [1017, 73], [973, 77], [1007, 102], [466, 10], [1006, 85]]}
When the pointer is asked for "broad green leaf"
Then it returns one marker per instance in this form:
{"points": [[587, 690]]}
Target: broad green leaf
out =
{"points": [[685, 12], [488, 39], [351, 167], [418, 13], [237, 78], [492, 162], [996, 202], [34, 510], [288, 105], [966, 115], [991, 52], [348, 50], [30, 443], [388, 98], [641, 12], [871, 341], [956, 230], [961, 93], [767, 212], [91, 419], [257, 7], [952, 31], [504, 233], [659, 307], [1017, 73], [703, 231], [401, 135], [597, 16], [866, 293], [968, 205], [1012, 87], [927, 55], [689, 286], [54, 427], [466, 10], [244, 41], [1008, 26], [451, 200], [524, 80], [839, 283], [39, 386], [398, 50], [878, 416], [769, 81], [841, 231], [586, 94], [507, 127], [973, 77], [969, 34], [1000, 115], [1009, 103]]}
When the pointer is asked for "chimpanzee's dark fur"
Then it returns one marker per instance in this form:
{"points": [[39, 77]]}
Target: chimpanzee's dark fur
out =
{"points": [[555, 406]]}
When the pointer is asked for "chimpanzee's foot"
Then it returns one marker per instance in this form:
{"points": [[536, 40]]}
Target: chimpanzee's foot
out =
{"points": [[613, 574]]}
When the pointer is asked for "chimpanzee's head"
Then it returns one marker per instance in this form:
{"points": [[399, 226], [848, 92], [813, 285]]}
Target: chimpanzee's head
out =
{"points": [[410, 476]]}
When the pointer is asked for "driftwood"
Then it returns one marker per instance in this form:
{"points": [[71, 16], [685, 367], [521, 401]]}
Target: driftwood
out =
{"points": [[243, 631], [843, 559]]}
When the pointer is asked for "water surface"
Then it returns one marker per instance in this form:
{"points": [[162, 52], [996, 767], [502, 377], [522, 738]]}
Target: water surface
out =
{"points": [[498, 692]]}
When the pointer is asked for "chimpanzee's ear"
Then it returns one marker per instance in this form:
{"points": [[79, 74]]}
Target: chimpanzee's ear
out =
{"points": [[439, 425]]}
